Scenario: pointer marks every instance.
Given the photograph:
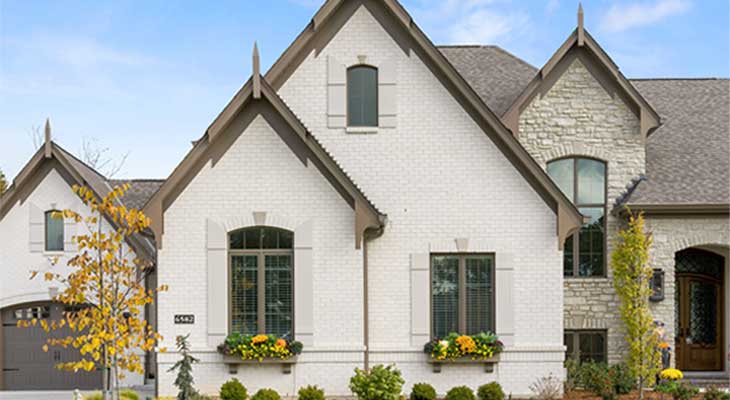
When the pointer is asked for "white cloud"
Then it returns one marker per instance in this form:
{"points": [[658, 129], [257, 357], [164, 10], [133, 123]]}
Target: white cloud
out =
{"points": [[470, 21], [621, 17], [552, 6], [485, 27]]}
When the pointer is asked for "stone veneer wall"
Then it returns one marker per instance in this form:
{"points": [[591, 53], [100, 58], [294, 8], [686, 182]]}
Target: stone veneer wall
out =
{"points": [[672, 234], [577, 117]]}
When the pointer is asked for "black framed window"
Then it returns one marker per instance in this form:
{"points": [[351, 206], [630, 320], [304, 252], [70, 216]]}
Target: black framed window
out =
{"points": [[462, 294], [583, 180], [261, 293], [362, 96], [54, 232], [585, 345]]}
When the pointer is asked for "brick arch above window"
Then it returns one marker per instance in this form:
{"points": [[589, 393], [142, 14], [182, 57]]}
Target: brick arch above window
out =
{"points": [[574, 150]]}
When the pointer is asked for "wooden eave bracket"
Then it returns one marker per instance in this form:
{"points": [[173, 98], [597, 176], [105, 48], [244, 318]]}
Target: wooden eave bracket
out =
{"points": [[365, 219], [567, 225]]}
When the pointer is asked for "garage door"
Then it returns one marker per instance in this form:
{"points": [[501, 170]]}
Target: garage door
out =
{"points": [[26, 366]]}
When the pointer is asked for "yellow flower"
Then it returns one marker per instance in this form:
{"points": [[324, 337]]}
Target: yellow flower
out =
{"points": [[259, 339], [280, 343], [466, 344], [663, 345], [671, 374]]}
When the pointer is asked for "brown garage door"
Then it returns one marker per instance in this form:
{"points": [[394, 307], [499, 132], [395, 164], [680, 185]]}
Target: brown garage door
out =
{"points": [[24, 364]]}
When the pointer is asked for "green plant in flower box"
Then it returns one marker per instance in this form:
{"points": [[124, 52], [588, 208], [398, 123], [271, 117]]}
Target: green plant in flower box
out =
{"points": [[259, 347], [480, 346]]}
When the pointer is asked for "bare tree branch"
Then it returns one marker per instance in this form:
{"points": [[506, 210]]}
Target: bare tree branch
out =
{"points": [[98, 157], [36, 136]]}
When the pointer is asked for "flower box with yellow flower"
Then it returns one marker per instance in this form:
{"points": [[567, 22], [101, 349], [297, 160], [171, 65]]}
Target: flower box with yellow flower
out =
{"points": [[482, 348], [241, 349]]}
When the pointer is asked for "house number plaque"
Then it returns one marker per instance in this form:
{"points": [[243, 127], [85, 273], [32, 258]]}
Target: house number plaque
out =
{"points": [[184, 318]]}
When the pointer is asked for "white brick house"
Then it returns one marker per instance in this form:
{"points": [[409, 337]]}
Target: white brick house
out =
{"points": [[382, 162]]}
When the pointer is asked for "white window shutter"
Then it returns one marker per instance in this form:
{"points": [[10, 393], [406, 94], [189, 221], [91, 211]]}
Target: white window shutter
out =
{"points": [[504, 290], [217, 284], [387, 94], [420, 303], [336, 93], [69, 231], [303, 284], [36, 219]]}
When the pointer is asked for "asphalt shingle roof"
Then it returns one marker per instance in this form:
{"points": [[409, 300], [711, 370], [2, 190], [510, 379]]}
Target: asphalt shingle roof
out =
{"points": [[140, 190], [497, 76], [688, 156]]}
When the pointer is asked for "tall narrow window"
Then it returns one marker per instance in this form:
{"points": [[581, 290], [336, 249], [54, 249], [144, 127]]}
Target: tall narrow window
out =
{"points": [[261, 281], [583, 180], [54, 232], [462, 294], [362, 96]]}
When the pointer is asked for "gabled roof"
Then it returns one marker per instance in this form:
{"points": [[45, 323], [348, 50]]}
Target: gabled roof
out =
{"points": [[399, 24], [581, 44], [258, 98], [74, 172]]}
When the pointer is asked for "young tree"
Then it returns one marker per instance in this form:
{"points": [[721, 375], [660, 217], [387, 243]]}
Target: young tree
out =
{"points": [[631, 277], [3, 183], [184, 368], [105, 288]]}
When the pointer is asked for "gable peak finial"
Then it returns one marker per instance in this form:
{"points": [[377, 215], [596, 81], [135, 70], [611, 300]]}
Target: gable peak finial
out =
{"points": [[47, 139], [256, 72], [581, 30]]}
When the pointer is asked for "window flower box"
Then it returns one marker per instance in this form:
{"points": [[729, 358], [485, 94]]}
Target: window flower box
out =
{"points": [[234, 362], [482, 348], [240, 349], [488, 363]]}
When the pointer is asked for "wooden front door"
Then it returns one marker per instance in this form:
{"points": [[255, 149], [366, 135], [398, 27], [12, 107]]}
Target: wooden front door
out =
{"points": [[700, 299]]}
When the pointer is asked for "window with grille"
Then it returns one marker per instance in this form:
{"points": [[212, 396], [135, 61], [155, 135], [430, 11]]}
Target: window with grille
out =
{"points": [[585, 346], [261, 281], [462, 294], [583, 180], [362, 96], [54, 232]]}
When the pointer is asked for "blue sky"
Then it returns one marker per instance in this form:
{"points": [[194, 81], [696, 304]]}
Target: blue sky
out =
{"points": [[147, 77]]}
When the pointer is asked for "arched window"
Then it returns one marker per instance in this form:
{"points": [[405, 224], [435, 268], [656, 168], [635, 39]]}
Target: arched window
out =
{"points": [[261, 281], [362, 96], [583, 180], [54, 231]]}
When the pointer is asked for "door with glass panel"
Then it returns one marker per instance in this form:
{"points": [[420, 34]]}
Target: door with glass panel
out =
{"points": [[699, 303], [261, 282]]}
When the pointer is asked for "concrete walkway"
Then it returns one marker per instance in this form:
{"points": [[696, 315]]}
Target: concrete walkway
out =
{"points": [[144, 393]]}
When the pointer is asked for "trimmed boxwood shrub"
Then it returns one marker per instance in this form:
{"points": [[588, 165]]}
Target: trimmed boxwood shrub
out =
{"points": [[266, 394], [423, 391], [490, 391], [460, 393], [380, 383], [311, 393], [233, 390]]}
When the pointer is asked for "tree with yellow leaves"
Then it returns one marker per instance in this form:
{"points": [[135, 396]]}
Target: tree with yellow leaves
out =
{"points": [[106, 290], [3, 183], [631, 277]]}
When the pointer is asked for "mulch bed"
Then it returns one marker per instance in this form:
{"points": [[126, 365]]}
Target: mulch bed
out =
{"points": [[648, 395]]}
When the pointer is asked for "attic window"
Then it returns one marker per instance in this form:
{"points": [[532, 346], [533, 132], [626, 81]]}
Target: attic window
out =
{"points": [[362, 96], [54, 231]]}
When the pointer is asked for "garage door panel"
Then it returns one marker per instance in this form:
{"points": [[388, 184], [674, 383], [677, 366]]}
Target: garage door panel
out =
{"points": [[26, 366]]}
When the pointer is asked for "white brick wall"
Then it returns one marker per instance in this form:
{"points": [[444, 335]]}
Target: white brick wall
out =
{"points": [[438, 177]]}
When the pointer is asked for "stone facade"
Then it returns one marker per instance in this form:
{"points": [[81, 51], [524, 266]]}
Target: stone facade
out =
{"points": [[578, 117], [672, 234]]}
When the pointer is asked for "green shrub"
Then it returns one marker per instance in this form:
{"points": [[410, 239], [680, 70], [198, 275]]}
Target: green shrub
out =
{"points": [[622, 379], [572, 380], [490, 391], [124, 394], [596, 378], [381, 383], [233, 390], [713, 393], [311, 393], [423, 391], [266, 394], [460, 393], [678, 390]]}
